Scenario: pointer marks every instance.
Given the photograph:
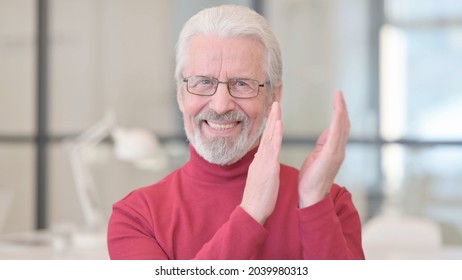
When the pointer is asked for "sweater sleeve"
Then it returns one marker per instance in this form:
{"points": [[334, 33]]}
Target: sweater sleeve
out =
{"points": [[331, 228]]}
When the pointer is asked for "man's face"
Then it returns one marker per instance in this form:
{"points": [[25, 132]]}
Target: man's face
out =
{"points": [[222, 128]]}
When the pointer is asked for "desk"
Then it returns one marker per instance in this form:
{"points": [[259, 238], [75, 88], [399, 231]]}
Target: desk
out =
{"points": [[43, 245]]}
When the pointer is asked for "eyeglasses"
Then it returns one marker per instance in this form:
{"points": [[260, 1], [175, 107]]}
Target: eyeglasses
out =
{"points": [[238, 88]]}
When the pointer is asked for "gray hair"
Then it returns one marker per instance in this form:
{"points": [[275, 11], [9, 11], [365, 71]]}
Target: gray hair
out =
{"points": [[232, 21]]}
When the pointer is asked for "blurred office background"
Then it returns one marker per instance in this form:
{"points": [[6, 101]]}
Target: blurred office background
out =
{"points": [[65, 65]]}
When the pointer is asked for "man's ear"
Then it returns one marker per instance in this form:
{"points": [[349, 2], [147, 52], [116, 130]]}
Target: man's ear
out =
{"points": [[179, 99]]}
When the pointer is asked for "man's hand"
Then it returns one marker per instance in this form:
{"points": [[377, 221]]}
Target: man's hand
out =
{"points": [[321, 167], [262, 186]]}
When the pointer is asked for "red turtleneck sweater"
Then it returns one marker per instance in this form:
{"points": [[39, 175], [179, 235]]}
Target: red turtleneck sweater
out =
{"points": [[194, 213]]}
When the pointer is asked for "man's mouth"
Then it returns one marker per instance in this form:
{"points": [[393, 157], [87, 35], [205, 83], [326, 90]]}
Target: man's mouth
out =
{"points": [[222, 126]]}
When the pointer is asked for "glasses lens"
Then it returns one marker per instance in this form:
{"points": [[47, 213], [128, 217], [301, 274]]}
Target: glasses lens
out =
{"points": [[243, 88], [201, 85]]}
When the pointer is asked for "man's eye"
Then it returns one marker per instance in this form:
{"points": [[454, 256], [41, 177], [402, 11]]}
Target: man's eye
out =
{"points": [[241, 84], [205, 81], [201, 82]]}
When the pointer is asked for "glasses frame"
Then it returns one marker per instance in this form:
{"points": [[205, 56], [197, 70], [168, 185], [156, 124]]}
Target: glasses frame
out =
{"points": [[260, 85]]}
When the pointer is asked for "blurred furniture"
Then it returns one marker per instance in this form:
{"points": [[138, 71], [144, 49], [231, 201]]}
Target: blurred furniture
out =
{"points": [[71, 241], [136, 145], [389, 236], [56, 244]]}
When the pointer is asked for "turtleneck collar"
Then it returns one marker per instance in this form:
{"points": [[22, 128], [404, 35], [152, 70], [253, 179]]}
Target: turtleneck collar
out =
{"points": [[203, 170]]}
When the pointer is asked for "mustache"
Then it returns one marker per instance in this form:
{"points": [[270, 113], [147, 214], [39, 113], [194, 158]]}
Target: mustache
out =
{"points": [[235, 115]]}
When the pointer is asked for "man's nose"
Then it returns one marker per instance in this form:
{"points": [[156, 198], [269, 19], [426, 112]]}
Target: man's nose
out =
{"points": [[222, 102]]}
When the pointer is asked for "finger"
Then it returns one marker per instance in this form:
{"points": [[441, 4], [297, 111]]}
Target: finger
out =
{"points": [[270, 127], [322, 139], [343, 112], [345, 120], [340, 125], [272, 135]]}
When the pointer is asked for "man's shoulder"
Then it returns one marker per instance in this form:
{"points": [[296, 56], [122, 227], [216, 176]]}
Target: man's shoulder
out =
{"points": [[155, 190]]}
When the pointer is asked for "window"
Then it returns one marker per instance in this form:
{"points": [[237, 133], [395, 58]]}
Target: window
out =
{"points": [[399, 65], [421, 97]]}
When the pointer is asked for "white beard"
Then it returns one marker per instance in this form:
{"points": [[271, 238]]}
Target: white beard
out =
{"points": [[222, 150]]}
